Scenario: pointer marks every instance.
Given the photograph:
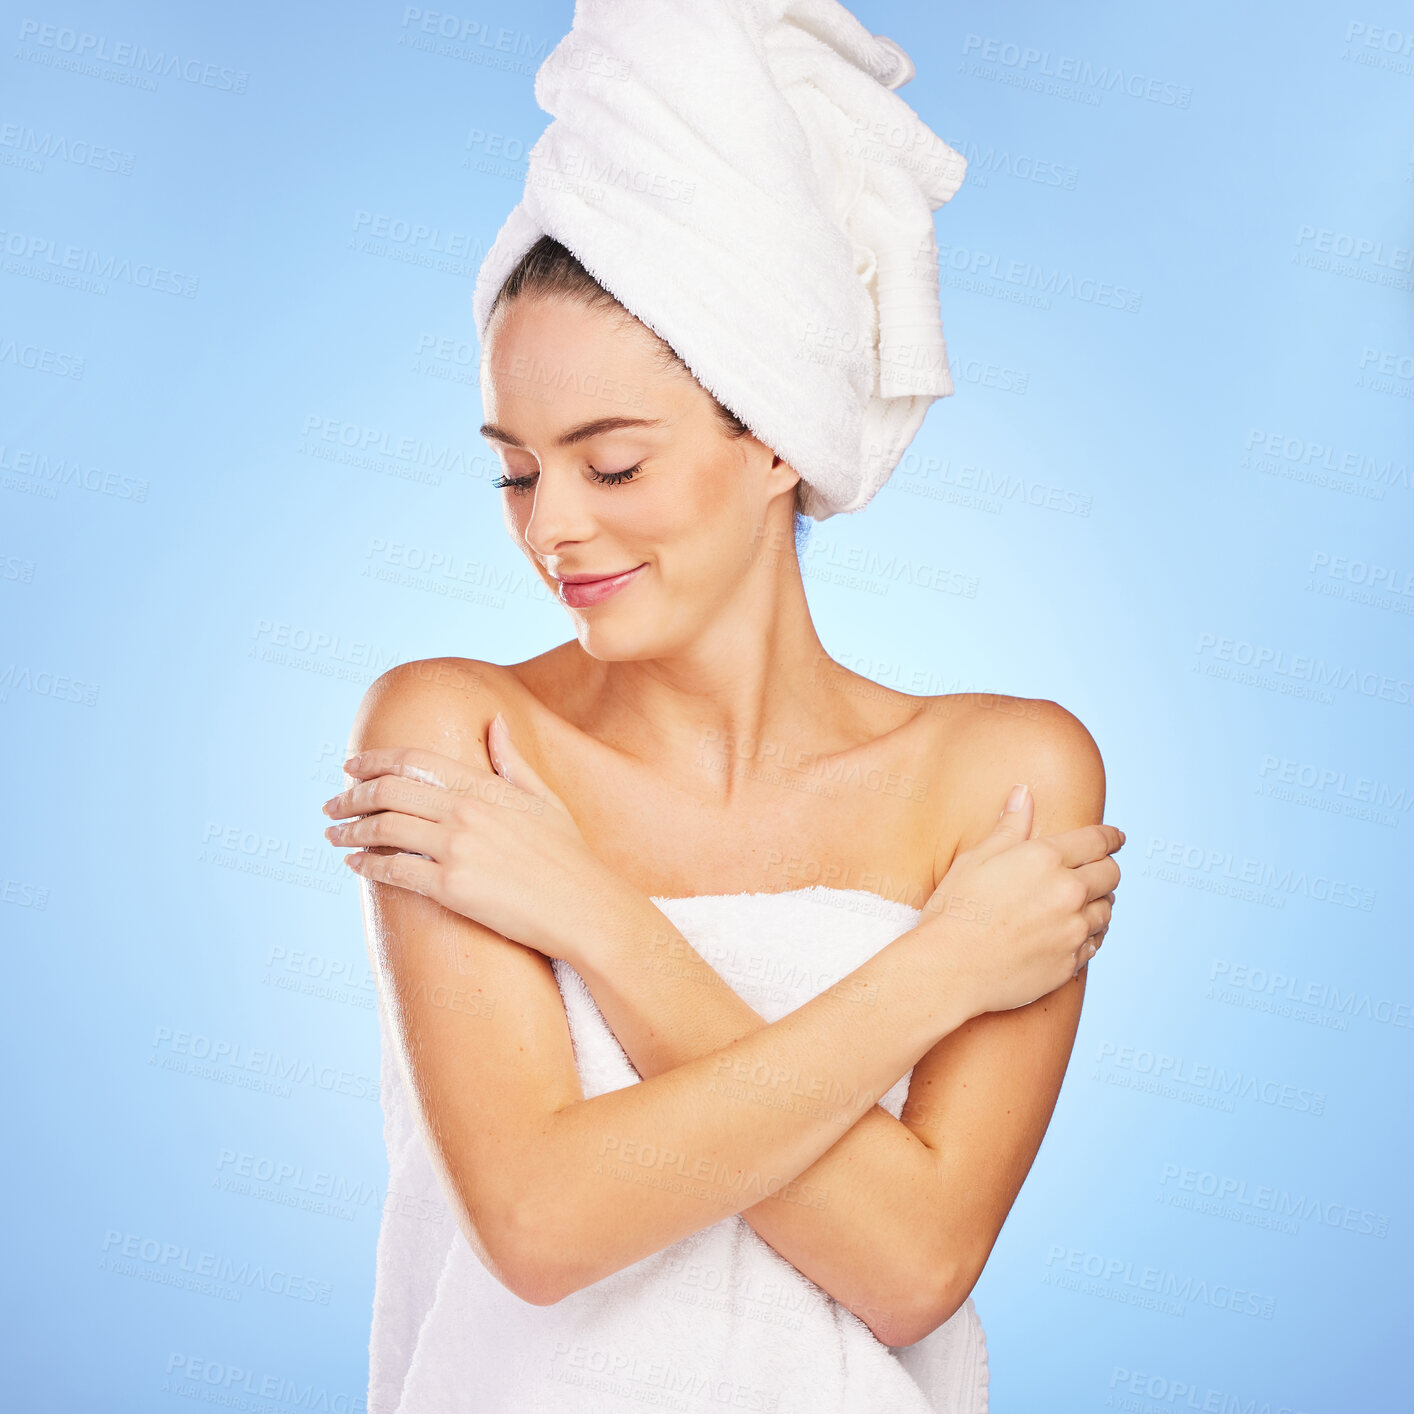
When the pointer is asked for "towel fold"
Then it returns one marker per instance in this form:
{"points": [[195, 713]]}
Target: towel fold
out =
{"points": [[741, 176]]}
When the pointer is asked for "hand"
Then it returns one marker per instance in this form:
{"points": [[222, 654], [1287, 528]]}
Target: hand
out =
{"points": [[497, 846], [1025, 915]]}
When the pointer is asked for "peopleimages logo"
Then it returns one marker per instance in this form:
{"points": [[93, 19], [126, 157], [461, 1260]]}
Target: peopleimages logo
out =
{"points": [[42, 257], [170, 1263], [1026, 60], [1118, 1278], [81, 50], [1226, 978], [1270, 1199], [219, 1382], [1283, 880], [1133, 1386], [214, 1058], [34, 147], [1207, 1080], [1333, 781]]}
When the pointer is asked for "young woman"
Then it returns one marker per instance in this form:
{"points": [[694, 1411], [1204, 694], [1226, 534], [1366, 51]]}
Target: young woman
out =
{"points": [[725, 994], [613, 1179]]}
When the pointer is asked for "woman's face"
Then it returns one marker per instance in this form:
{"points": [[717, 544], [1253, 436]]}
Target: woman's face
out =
{"points": [[614, 465]]}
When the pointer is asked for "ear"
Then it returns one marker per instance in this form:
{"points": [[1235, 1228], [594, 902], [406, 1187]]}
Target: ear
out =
{"points": [[783, 476]]}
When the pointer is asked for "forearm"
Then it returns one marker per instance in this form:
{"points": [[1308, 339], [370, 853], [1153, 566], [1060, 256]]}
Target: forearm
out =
{"points": [[722, 1131], [875, 1187]]}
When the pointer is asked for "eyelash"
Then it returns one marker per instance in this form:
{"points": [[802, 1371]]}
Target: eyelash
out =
{"points": [[612, 478]]}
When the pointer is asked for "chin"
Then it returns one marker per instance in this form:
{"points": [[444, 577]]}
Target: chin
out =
{"points": [[624, 643], [624, 637]]}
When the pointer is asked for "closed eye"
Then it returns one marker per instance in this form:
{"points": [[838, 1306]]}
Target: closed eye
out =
{"points": [[605, 478], [615, 478]]}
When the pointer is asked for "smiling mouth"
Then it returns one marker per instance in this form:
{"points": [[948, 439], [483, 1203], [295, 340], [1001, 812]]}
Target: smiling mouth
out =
{"points": [[580, 591], [590, 578]]}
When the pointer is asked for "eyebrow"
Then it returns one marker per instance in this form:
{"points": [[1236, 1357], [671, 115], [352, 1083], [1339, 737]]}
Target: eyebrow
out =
{"points": [[582, 433]]}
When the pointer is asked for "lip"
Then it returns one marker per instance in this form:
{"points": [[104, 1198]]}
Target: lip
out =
{"points": [[579, 591]]}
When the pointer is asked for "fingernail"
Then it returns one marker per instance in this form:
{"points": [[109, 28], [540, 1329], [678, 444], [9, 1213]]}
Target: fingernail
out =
{"points": [[1017, 798], [353, 761]]}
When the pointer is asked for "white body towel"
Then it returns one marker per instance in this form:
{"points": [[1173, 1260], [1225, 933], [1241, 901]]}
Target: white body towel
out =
{"points": [[717, 1321]]}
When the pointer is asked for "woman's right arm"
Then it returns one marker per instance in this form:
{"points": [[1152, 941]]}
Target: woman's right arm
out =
{"points": [[552, 1190]]}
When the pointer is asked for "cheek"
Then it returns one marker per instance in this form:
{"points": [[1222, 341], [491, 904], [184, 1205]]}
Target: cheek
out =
{"points": [[712, 535], [679, 506], [709, 499]]}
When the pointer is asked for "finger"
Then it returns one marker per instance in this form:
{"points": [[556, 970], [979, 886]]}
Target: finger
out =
{"points": [[1097, 914], [1100, 877], [1088, 949], [429, 767], [1013, 824], [391, 829], [402, 871], [412, 797], [506, 758], [1087, 843]]}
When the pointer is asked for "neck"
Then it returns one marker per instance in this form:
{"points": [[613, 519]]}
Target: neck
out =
{"points": [[754, 686]]}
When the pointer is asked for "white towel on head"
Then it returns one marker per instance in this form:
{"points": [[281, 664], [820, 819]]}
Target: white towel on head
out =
{"points": [[741, 177]]}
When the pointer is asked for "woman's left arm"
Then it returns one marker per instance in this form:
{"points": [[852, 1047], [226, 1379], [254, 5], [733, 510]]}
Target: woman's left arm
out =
{"points": [[911, 1208]]}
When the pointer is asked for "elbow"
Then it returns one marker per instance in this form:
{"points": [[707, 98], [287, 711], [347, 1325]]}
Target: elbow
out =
{"points": [[903, 1322], [509, 1243], [926, 1301], [533, 1282], [544, 1244], [945, 1305], [901, 1316], [535, 1256]]}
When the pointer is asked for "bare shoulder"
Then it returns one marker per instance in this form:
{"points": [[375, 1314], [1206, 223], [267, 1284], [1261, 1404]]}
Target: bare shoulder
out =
{"points": [[442, 704], [989, 742]]}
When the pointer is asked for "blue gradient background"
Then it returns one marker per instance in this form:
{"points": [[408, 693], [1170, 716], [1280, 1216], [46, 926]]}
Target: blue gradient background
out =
{"points": [[194, 599]]}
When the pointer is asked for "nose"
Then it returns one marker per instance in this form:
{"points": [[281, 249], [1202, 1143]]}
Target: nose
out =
{"points": [[559, 512]]}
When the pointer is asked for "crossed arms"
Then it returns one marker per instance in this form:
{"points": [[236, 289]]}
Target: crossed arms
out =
{"points": [[913, 1206]]}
